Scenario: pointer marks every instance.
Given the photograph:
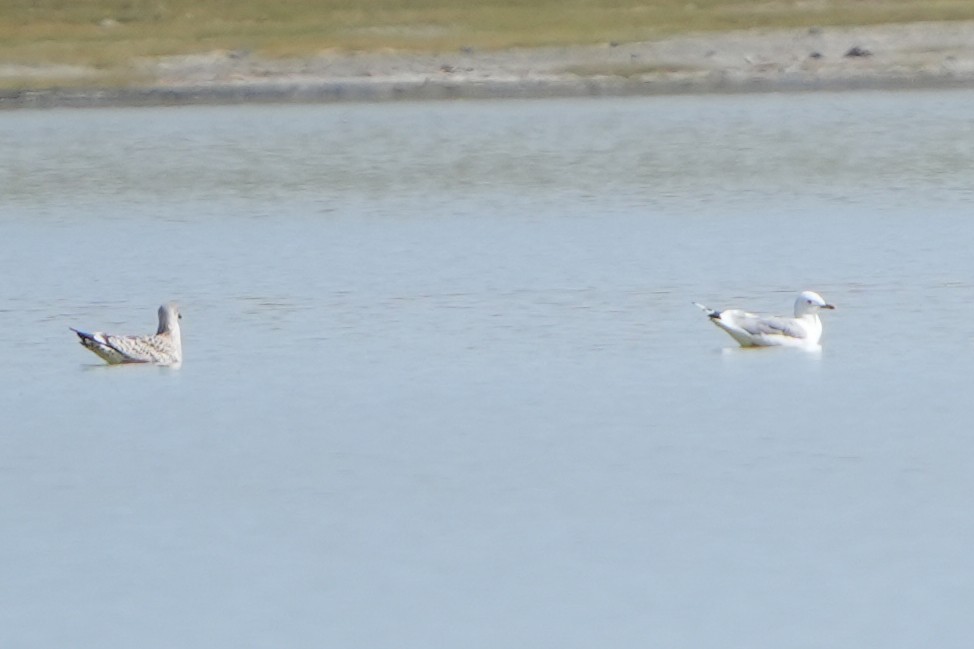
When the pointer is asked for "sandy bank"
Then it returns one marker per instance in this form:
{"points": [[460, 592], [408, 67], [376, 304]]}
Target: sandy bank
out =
{"points": [[883, 56]]}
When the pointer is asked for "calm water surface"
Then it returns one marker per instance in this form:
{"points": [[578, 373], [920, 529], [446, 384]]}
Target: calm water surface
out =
{"points": [[444, 386]]}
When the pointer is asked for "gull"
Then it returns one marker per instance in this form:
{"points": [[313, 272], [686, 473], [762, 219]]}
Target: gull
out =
{"points": [[753, 330], [163, 348]]}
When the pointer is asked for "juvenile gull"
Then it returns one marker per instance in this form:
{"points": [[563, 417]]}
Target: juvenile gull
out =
{"points": [[163, 348], [753, 330]]}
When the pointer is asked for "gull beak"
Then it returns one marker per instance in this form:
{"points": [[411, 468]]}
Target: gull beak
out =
{"points": [[828, 306]]}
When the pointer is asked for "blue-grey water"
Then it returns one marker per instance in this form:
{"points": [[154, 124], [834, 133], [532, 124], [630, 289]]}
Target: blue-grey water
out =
{"points": [[444, 385]]}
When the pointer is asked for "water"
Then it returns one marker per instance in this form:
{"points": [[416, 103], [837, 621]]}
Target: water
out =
{"points": [[444, 385]]}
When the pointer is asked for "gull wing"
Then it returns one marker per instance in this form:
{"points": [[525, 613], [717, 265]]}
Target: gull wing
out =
{"points": [[750, 329], [772, 326], [144, 349], [130, 349]]}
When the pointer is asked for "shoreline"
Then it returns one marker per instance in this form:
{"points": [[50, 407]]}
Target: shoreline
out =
{"points": [[878, 57], [338, 92]]}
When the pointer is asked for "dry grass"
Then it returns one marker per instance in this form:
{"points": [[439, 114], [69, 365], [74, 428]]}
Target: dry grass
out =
{"points": [[109, 34]]}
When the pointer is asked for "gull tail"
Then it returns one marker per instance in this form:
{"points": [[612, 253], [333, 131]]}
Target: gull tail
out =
{"points": [[711, 313]]}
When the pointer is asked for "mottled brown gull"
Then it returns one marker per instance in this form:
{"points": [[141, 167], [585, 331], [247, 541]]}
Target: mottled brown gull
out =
{"points": [[753, 330], [162, 348]]}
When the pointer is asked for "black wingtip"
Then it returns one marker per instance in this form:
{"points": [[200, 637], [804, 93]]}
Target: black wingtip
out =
{"points": [[711, 313], [82, 335]]}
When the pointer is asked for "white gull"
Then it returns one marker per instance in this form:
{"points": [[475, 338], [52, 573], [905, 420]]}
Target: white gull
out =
{"points": [[162, 348], [753, 330]]}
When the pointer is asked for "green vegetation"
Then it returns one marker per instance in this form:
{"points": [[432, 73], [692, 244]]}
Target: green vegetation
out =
{"points": [[109, 34]]}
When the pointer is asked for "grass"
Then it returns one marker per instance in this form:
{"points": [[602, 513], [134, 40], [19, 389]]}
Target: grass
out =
{"points": [[109, 34]]}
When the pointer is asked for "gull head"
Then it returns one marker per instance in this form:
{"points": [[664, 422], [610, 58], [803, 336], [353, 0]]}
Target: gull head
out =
{"points": [[810, 302], [169, 317]]}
